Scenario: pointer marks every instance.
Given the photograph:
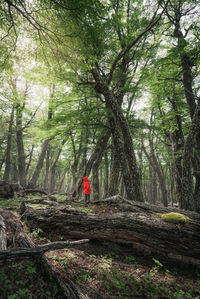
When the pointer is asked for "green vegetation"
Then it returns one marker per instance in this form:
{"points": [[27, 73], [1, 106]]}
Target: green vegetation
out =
{"points": [[123, 276], [20, 280], [175, 218]]}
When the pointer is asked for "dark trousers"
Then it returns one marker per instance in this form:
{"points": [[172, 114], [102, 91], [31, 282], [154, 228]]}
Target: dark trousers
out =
{"points": [[87, 197]]}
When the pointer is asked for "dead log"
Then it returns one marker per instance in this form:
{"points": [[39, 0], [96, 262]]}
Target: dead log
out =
{"points": [[17, 237], [116, 199], [9, 190], [42, 201], [139, 206], [3, 241], [34, 191], [142, 229]]}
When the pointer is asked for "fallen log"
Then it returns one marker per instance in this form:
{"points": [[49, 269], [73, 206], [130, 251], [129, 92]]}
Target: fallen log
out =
{"points": [[8, 190], [36, 191], [17, 237], [144, 230], [3, 236], [42, 201], [139, 206]]}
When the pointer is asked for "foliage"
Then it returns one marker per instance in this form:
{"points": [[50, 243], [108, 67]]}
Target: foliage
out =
{"points": [[20, 279]]}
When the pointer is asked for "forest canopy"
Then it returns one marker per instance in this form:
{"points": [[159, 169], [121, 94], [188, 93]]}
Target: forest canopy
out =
{"points": [[107, 89]]}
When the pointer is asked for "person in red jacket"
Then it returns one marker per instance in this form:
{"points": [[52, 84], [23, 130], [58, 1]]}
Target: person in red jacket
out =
{"points": [[86, 189]]}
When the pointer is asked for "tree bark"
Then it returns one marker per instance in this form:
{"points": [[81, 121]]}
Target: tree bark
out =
{"points": [[155, 165], [33, 181], [106, 175], [3, 235], [20, 145], [114, 172], [139, 226], [6, 175], [97, 152], [53, 168]]}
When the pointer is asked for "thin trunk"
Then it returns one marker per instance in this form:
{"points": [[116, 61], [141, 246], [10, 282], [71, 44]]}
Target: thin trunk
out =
{"points": [[38, 168], [62, 180], [46, 179], [20, 145], [53, 168], [30, 159], [97, 152], [114, 173], [6, 175], [95, 180], [155, 165], [106, 175]]}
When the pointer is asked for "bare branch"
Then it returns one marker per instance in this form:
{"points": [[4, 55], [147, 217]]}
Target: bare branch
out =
{"points": [[12, 253]]}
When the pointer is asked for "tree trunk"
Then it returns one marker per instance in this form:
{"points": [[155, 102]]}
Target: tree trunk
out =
{"points": [[187, 179], [121, 137], [6, 175], [53, 168], [95, 180], [155, 165], [33, 181], [97, 152], [20, 145], [106, 175], [114, 172], [47, 166]]}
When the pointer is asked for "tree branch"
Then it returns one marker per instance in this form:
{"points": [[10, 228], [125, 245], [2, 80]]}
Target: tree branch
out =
{"points": [[152, 23], [16, 252]]}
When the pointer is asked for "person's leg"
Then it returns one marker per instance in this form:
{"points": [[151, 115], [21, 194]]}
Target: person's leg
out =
{"points": [[87, 198]]}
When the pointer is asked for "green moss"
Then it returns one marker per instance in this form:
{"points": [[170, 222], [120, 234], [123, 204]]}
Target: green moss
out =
{"points": [[84, 209], [174, 218]]}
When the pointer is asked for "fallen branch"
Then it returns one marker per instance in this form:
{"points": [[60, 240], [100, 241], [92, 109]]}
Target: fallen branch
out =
{"points": [[42, 201], [16, 252], [116, 199]]}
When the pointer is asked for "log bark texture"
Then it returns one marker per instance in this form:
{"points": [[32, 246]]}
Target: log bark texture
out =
{"points": [[137, 225], [3, 241]]}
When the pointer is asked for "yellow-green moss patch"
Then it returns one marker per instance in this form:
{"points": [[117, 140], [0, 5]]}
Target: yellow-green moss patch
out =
{"points": [[174, 218]]}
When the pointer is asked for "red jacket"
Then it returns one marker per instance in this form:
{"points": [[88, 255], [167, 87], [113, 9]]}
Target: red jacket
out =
{"points": [[86, 185]]}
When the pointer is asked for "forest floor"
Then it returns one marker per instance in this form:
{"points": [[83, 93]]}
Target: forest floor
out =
{"points": [[98, 270]]}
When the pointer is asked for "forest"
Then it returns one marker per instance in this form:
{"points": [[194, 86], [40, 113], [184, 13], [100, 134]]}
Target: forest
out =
{"points": [[107, 89]]}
